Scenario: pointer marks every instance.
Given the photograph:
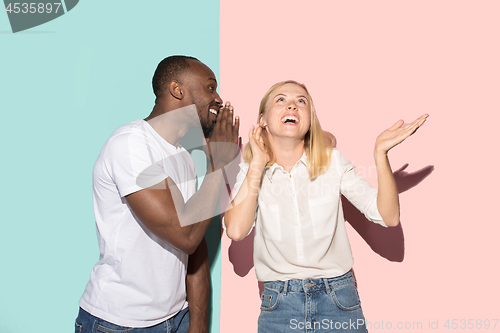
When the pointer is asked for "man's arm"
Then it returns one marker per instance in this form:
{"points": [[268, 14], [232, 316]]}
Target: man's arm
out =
{"points": [[198, 288], [155, 208], [161, 208]]}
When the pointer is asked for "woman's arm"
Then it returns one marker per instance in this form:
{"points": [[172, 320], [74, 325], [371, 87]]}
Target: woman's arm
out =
{"points": [[239, 219], [388, 197]]}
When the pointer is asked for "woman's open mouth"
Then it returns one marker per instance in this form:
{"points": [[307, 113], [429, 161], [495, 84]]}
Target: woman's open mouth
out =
{"points": [[290, 119]]}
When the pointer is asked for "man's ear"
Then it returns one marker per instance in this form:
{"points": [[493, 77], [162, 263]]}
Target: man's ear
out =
{"points": [[175, 90]]}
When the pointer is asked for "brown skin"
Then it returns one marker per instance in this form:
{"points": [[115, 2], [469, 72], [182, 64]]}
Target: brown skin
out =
{"points": [[198, 288], [155, 207], [198, 87]]}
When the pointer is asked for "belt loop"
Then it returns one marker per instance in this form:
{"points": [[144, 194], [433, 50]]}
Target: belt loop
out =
{"points": [[285, 288], [327, 287]]}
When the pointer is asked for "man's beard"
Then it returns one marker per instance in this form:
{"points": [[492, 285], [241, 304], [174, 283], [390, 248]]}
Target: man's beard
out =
{"points": [[206, 130], [206, 126]]}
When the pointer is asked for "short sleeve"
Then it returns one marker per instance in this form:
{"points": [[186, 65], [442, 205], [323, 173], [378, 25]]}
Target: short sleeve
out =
{"points": [[134, 162], [358, 191]]}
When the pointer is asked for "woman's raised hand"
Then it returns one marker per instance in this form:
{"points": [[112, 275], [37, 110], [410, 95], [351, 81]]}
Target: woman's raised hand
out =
{"points": [[396, 134], [259, 151]]}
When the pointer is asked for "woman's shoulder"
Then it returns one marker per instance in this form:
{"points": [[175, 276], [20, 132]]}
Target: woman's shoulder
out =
{"points": [[338, 161], [335, 154]]}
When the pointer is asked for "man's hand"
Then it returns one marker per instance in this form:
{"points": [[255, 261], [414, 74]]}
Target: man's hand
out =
{"points": [[223, 143], [162, 208]]}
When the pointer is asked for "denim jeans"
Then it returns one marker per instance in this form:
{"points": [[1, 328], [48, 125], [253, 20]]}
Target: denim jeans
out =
{"points": [[312, 305], [87, 323]]}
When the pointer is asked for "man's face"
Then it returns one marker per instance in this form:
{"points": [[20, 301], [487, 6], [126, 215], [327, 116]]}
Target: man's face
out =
{"points": [[202, 86]]}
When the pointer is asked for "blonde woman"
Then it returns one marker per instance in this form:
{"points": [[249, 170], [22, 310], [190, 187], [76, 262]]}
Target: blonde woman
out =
{"points": [[290, 189]]}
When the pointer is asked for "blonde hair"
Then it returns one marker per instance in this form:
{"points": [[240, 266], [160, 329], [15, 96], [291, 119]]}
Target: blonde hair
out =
{"points": [[315, 147]]}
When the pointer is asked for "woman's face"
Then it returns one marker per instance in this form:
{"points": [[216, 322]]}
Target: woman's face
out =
{"points": [[288, 113]]}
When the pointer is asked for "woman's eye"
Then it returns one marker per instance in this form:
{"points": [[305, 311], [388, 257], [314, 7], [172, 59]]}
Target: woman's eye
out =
{"points": [[302, 101], [281, 99]]}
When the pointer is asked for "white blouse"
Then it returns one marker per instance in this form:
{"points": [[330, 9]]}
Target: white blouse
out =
{"points": [[299, 224]]}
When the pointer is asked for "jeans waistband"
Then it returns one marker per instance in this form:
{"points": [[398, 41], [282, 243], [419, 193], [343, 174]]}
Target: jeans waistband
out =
{"points": [[311, 284]]}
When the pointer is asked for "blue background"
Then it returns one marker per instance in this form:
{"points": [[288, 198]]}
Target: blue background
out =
{"points": [[64, 87]]}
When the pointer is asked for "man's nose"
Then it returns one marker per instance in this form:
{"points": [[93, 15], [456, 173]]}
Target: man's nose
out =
{"points": [[218, 99]]}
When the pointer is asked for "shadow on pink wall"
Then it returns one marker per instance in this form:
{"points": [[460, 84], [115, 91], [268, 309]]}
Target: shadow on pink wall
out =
{"points": [[389, 243]]}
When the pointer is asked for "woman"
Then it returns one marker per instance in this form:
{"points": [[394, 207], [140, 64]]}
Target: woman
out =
{"points": [[289, 189]]}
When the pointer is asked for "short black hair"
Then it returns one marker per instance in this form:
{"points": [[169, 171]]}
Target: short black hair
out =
{"points": [[169, 69]]}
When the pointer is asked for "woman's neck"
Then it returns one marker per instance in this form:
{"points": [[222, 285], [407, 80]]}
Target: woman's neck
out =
{"points": [[287, 152]]}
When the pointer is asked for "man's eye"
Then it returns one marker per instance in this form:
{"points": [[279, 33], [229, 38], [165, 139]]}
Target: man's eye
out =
{"points": [[211, 88]]}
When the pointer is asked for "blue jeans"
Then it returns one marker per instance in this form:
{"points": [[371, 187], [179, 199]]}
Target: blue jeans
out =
{"points": [[87, 323], [312, 305]]}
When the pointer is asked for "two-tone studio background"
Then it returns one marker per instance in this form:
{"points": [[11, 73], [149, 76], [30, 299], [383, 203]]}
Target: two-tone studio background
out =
{"points": [[67, 84]]}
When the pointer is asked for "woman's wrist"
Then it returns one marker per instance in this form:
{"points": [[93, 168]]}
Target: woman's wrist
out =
{"points": [[378, 152], [258, 163]]}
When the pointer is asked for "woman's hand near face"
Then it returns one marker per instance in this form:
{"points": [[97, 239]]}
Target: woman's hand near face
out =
{"points": [[260, 154], [240, 217], [397, 134]]}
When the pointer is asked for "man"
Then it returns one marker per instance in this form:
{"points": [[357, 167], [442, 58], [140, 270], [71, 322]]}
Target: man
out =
{"points": [[148, 216]]}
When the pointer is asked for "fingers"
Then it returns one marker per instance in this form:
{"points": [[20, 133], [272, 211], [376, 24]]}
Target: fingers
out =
{"points": [[236, 127], [230, 117], [398, 124], [255, 136], [413, 127], [227, 123], [222, 122], [418, 122], [231, 123], [422, 119], [254, 133], [250, 133]]}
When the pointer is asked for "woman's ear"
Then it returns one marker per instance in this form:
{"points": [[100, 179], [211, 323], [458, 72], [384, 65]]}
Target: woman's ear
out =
{"points": [[262, 122]]}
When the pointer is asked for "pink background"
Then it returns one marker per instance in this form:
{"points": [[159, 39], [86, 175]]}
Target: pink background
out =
{"points": [[368, 64]]}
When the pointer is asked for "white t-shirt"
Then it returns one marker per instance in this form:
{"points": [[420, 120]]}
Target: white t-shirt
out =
{"points": [[139, 280], [299, 224]]}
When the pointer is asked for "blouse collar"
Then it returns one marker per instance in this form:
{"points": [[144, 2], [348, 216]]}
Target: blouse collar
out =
{"points": [[272, 169]]}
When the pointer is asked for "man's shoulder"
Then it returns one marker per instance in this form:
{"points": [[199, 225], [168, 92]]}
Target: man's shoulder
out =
{"points": [[134, 127], [131, 134], [125, 140]]}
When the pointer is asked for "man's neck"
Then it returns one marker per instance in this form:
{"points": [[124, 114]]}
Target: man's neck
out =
{"points": [[171, 124]]}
